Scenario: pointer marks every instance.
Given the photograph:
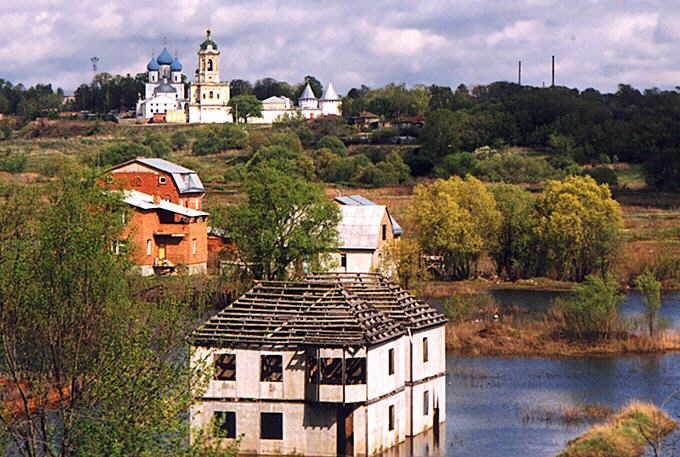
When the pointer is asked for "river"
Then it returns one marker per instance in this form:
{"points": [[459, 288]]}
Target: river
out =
{"points": [[488, 396]]}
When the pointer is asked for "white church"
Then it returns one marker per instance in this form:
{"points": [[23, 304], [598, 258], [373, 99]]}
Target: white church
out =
{"points": [[208, 97]]}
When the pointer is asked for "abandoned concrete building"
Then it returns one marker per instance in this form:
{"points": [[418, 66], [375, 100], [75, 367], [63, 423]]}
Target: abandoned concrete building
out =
{"points": [[168, 230], [336, 364], [365, 228]]}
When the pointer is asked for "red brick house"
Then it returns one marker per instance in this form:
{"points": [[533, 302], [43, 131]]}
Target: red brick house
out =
{"points": [[168, 229]]}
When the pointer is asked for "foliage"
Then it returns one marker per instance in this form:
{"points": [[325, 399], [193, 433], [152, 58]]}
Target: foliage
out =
{"points": [[516, 169], [403, 261], [285, 138], [39, 100], [179, 140], [579, 227], [515, 249], [68, 325], [457, 164], [662, 169], [650, 288], [456, 219], [160, 146], [603, 175], [459, 308], [284, 221], [13, 162], [244, 107], [120, 152], [391, 102], [592, 313], [109, 92], [333, 143], [217, 138]]}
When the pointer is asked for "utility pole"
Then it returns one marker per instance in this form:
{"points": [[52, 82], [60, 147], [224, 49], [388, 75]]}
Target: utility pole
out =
{"points": [[519, 73], [553, 71]]}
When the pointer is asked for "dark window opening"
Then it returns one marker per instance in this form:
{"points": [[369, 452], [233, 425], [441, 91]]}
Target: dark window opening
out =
{"points": [[331, 371], [384, 232], [426, 355], [271, 369], [210, 65], [343, 260], [390, 361], [271, 426], [225, 424], [225, 367], [391, 418], [426, 403]]}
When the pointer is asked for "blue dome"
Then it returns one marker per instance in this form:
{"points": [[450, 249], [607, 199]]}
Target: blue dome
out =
{"points": [[176, 65], [152, 65], [164, 58]]}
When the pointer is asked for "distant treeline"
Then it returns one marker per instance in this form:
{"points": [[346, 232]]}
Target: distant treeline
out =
{"points": [[18, 100]]}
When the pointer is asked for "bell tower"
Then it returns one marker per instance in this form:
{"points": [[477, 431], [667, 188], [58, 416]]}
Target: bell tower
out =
{"points": [[208, 61]]}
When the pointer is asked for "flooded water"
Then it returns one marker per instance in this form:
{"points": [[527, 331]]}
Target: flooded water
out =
{"points": [[487, 397]]}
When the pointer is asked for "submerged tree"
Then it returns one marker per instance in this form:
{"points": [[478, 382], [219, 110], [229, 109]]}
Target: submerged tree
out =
{"points": [[650, 288], [284, 221], [86, 370]]}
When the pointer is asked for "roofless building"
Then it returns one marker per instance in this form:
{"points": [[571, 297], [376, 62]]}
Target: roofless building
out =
{"points": [[336, 364]]}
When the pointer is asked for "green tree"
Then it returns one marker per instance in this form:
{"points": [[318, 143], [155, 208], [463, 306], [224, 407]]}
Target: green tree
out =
{"points": [[284, 221], [456, 219], [579, 224], [403, 261], [120, 152], [333, 143], [92, 372], [245, 106], [457, 164], [650, 288]]}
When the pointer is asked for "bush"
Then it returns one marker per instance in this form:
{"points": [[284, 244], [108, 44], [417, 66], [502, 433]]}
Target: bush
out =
{"points": [[160, 146], [459, 308], [385, 135], [120, 152], [218, 138], [333, 143], [306, 136], [458, 164], [420, 164], [593, 311], [346, 169], [603, 175], [517, 169], [13, 162], [179, 140]]}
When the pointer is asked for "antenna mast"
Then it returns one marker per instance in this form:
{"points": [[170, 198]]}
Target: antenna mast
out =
{"points": [[95, 61]]}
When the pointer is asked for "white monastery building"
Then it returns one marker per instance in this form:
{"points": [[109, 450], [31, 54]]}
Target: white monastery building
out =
{"points": [[164, 92], [344, 364], [208, 98]]}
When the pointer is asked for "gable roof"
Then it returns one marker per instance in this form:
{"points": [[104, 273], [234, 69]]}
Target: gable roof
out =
{"points": [[186, 180], [297, 314], [358, 200], [379, 292], [145, 201]]}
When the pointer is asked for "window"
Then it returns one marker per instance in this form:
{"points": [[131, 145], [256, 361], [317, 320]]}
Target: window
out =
{"points": [[271, 426], [225, 424], [426, 403], [426, 355], [343, 260], [149, 246], [211, 94], [162, 180], [194, 246], [137, 181], [120, 247], [331, 370], [384, 232], [225, 367], [210, 65], [204, 95], [271, 368], [390, 417], [218, 95], [390, 361]]}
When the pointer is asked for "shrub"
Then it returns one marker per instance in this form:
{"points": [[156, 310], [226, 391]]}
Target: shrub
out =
{"points": [[306, 136], [650, 288], [333, 143], [459, 308], [603, 175], [160, 146], [13, 162], [120, 152], [346, 169], [286, 138], [516, 169], [457, 164], [179, 140], [218, 138], [384, 135]]}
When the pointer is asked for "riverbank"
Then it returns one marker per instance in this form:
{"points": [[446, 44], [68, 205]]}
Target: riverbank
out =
{"points": [[627, 434], [542, 339]]}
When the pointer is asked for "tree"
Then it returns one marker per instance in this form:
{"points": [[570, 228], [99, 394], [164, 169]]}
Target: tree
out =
{"points": [[456, 219], [284, 221], [314, 83], [87, 370], [333, 143], [403, 260], [120, 152], [240, 87], [650, 288], [245, 106], [579, 224]]}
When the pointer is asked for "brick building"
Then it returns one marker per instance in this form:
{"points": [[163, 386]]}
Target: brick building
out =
{"points": [[168, 229]]}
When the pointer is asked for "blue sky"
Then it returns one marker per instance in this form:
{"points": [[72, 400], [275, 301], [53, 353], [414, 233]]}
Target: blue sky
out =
{"points": [[598, 43]]}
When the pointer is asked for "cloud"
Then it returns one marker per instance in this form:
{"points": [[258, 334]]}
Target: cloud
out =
{"points": [[598, 43]]}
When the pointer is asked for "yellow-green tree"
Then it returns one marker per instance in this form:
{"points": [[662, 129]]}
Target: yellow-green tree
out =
{"points": [[403, 261], [456, 219], [579, 226]]}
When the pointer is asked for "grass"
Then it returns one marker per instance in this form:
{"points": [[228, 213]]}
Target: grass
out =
{"points": [[567, 415], [627, 434]]}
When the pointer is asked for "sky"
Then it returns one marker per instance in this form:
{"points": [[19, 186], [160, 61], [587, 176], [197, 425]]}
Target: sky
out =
{"points": [[597, 43]]}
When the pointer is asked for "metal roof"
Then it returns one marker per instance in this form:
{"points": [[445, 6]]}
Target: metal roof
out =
{"points": [[146, 202], [298, 314], [186, 180], [358, 200], [360, 226], [307, 94], [164, 58], [330, 93]]}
